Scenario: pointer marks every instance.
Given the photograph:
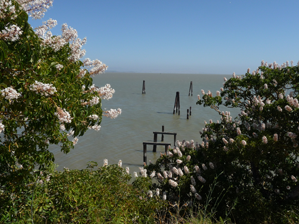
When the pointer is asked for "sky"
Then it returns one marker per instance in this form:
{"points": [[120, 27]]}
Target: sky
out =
{"points": [[176, 36]]}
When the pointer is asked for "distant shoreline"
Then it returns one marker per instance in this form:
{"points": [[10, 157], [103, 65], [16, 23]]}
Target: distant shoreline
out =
{"points": [[168, 73]]}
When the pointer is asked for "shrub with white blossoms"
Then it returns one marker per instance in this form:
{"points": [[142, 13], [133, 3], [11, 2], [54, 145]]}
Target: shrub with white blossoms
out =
{"points": [[47, 93], [248, 164], [256, 153]]}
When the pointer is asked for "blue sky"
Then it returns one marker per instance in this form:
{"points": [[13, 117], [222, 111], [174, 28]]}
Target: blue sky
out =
{"points": [[176, 36]]}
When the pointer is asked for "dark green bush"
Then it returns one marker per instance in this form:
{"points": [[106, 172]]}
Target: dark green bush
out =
{"points": [[81, 196]]}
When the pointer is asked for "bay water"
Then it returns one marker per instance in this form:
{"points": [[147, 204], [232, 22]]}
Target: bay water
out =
{"points": [[122, 138]]}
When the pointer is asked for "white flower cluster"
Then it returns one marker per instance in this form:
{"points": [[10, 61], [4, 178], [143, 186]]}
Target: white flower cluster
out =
{"points": [[95, 127], [105, 92], [1, 127], [71, 35], [94, 101], [63, 115], [44, 89], [35, 8], [10, 93], [47, 25], [75, 141], [7, 9], [11, 33], [98, 66], [54, 42], [93, 117], [59, 67], [112, 113]]}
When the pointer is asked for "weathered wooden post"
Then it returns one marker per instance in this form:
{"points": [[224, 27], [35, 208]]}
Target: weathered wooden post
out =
{"points": [[176, 108], [155, 140], [162, 137], [190, 111], [187, 114], [191, 89], [143, 87], [144, 153], [179, 106]]}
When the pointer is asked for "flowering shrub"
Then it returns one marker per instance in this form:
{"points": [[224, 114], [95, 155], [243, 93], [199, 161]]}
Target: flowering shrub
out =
{"points": [[254, 157], [47, 94]]}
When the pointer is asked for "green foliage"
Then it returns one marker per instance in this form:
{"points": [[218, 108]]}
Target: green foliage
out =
{"points": [[250, 163], [81, 196]]}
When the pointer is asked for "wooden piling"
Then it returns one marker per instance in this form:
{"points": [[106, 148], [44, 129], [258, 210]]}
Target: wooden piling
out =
{"points": [[143, 87], [187, 114], [191, 89], [162, 136], [176, 108], [155, 140], [190, 111]]}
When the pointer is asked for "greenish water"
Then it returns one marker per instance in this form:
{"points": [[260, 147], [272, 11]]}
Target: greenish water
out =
{"points": [[122, 138]]}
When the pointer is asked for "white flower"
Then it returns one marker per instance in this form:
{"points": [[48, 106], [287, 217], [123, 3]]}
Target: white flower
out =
{"points": [[128, 170], [179, 161], [201, 179], [238, 131], [243, 142], [169, 153], [264, 139], [95, 127], [63, 115], [62, 127], [94, 101], [224, 141], [164, 196], [288, 108], [144, 172], [294, 178], [75, 141], [112, 113], [186, 170], [135, 174], [197, 169], [280, 96], [93, 117], [188, 158], [174, 170], [180, 172], [173, 183], [59, 67], [157, 191], [43, 89], [153, 174], [192, 188], [11, 33], [211, 165], [150, 193], [204, 166], [165, 174], [10, 93], [105, 162], [120, 163]]}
